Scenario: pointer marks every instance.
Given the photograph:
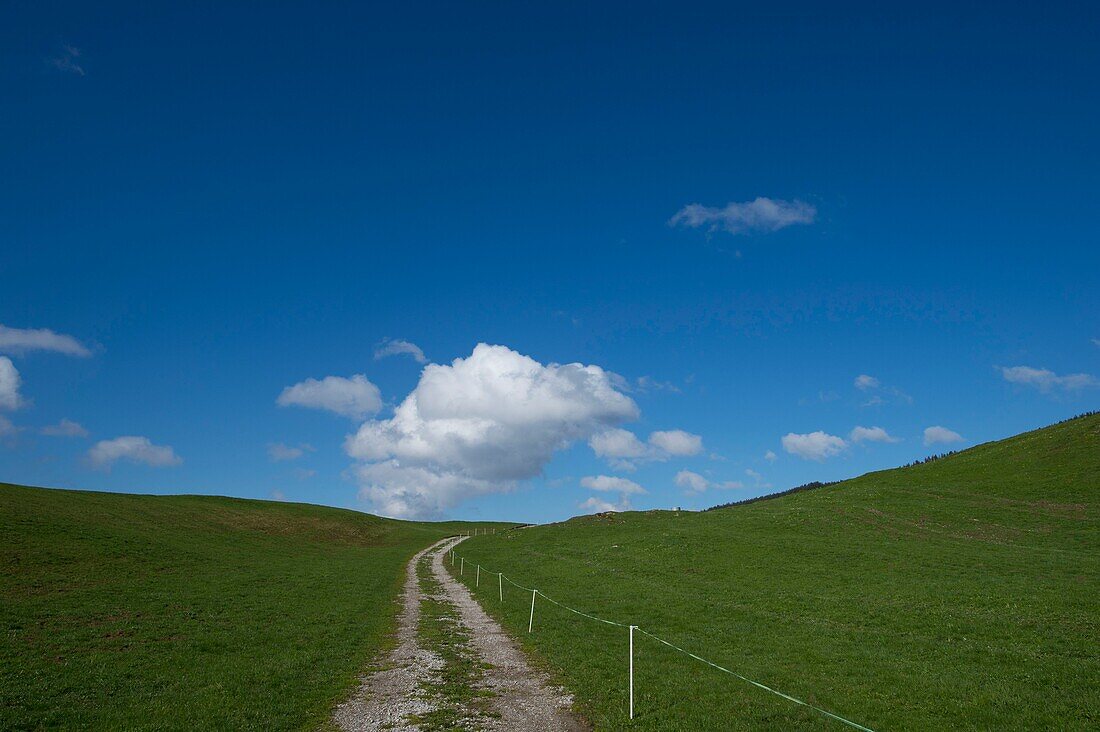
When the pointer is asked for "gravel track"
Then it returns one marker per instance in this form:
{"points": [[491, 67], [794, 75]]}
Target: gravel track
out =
{"points": [[388, 697], [523, 697]]}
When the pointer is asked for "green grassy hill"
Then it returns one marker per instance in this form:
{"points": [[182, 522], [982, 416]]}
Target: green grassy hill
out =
{"points": [[189, 612], [959, 594]]}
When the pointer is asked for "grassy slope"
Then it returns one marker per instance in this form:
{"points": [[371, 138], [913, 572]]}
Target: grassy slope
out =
{"points": [[960, 594], [188, 612]]}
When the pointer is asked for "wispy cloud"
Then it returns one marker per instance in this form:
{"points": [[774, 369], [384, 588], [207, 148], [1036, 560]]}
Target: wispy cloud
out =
{"points": [[762, 215], [68, 60], [398, 347], [863, 382], [7, 429], [879, 394], [1045, 380], [279, 451], [65, 428], [23, 340]]}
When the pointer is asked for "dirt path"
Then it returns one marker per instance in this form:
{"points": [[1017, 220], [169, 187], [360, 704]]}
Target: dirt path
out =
{"points": [[402, 693], [389, 696], [523, 697]]}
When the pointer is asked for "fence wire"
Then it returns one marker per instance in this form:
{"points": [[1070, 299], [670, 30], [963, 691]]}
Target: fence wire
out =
{"points": [[746, 679]]}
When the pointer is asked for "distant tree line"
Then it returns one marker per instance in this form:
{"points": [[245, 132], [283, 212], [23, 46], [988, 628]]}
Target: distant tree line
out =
{"points": [[804, 487]]}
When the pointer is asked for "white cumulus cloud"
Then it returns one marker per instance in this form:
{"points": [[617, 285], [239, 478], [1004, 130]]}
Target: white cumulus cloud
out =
{"points": [[1045, 380], [23, 340], [770, 456], [599, 505], [937, 434], [479, 425], [354, 397], [617, 443], [611, 483], [399, 347], [623, 450], [9, 385], [871, 434], [65, 428], [693, 482], [134, 449], [677, 443], [760, 214], [813, 446]]}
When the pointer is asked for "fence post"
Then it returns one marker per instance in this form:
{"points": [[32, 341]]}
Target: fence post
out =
{"points": [[632, 627], [452, 557], [462, 566], [500, 584], [531, 620], [477, 582]]}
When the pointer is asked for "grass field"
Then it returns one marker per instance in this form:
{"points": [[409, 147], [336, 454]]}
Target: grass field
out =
{"points": [[958, 594], [188, 612]]}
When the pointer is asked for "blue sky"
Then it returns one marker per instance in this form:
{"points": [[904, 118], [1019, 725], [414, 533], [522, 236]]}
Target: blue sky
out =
{"points": [[219, 203]]}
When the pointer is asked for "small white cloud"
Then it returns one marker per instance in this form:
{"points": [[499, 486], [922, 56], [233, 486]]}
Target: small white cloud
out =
{"points": [[770, 456], [68, 60], [65, 428], [23, 340], [279, 452], [304, 473], [134, 449], [278, 495], [677, 443], [813, 446], [1096, 341], [937, 434], [865, 382], [871, 434], [9, 385], [623, 450], [759, 215], [617, 443], [354, 397], [610, 483], [7, 429], [599, 505], [399, 347], [1045, 380], [693, 482]]}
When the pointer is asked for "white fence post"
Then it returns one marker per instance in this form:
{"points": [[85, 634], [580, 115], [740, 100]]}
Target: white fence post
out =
{"points": [[531, 620], [500, 584], [462, 566], [632, 627], [477, 582]]}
